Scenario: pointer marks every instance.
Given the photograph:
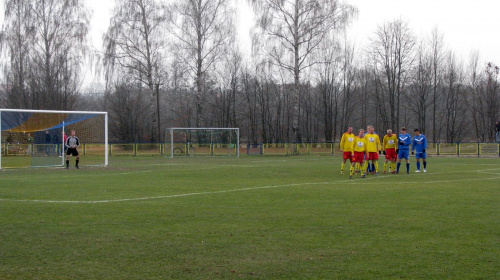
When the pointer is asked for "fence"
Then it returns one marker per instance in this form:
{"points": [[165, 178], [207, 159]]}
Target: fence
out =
{"points": [[285, 149]]}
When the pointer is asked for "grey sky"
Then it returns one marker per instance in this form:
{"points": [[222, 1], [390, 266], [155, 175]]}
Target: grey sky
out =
{"points": [[467, 25]]}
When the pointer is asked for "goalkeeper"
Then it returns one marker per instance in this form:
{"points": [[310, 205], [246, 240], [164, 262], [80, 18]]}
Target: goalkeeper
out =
{"points": [[420, 144], [72, 143]]}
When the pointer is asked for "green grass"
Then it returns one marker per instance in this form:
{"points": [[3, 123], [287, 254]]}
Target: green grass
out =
{"points": [[250, 218]]}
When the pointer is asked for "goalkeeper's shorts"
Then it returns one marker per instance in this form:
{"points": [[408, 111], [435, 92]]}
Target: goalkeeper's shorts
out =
{"points": [[72, 151]]}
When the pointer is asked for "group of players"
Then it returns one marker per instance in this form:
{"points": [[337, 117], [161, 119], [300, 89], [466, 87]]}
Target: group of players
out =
{"points": [[366, 147]]}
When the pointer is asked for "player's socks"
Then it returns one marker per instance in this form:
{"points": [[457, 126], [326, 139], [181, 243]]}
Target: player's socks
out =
{"points": [[399, 164], [385, 166], [425, 164], [67, 163], [351, 171], [342, 168], [77, 161], [418, 165], [375, 166], [407, 168]]}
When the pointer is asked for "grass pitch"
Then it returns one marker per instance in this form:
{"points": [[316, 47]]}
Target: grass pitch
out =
{"points": [[253, 218]]}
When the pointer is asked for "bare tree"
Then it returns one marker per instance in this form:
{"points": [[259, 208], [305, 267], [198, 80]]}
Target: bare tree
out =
{"points": [[61, 37], [135, 45], [17, 40], [291, 32], [492, 93], [126, 105], [484, 97], [228, 86], [454, 99], [476, 98], [47, 46], [421, 86], [204, 29], [392, 52], [336, 81], [250, 117], [182, 102], [437, 50]]}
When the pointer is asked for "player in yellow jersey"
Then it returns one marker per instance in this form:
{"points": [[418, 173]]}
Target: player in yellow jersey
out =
{"points": [[347, 148], [389, 144], [359, 153], [373, 148]]}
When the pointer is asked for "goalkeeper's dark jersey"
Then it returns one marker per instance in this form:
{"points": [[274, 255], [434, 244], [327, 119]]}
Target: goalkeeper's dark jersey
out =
{"points": [[72, 141]]}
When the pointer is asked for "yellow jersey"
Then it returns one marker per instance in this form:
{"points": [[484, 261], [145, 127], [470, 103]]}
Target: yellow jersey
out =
{"points": [[347, 142], [390, 142], [359, 144], [372, 143]]}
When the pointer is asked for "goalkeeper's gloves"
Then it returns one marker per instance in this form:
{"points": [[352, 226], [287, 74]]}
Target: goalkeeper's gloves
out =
{"points": [[384, 152], [379, 152], [397, 151], [423, 151]]}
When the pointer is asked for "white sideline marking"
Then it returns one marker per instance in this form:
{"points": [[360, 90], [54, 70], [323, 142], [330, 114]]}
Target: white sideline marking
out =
{"points": [[163, 196], [135, 172], [361, 182]]}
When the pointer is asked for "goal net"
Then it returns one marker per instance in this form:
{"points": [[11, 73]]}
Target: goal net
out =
{"points": [[35, 138], [202, 142]]}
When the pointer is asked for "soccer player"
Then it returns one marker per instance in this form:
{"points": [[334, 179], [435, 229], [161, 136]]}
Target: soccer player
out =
{"points": [[72, 143], [359, 153], [404, 142], [373, 148], [420, 144], [389, 144], [347, 148]]}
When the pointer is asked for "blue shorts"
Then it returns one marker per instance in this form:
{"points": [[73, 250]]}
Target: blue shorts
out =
{"points": [[421, 155], [404, 154]]}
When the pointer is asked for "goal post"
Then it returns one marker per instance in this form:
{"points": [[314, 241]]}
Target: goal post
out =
{"points": [[35, 138], [188, 141]]}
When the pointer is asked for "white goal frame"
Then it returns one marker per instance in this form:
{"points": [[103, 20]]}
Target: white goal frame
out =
{"points": [[106, 152], [172, 129]]}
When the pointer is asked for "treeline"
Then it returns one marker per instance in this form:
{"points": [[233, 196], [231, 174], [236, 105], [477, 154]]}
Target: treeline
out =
{"points": [[177, 64]]}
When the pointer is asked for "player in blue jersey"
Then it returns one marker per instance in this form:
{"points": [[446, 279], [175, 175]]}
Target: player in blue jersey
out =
{"points": [[419, 144], [404, 142]]}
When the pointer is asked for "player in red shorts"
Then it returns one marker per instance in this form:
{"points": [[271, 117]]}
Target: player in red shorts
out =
{"points": [[373, 148], [359, 153], [389, 144], [347, 148]]}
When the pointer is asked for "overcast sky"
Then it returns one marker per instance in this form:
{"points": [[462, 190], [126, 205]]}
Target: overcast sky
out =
{"points": [[466, 25]]}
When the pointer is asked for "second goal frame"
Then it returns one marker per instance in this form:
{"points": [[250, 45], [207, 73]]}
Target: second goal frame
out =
{"points": [[205, 131]]}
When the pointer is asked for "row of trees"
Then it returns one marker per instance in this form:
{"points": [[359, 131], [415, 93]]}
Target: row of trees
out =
{"points": [[177, 64]]}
